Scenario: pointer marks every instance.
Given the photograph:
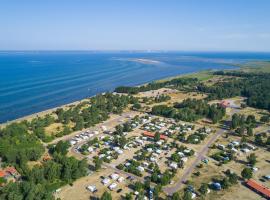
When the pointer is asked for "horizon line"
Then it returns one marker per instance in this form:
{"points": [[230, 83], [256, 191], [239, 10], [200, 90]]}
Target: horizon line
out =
{"points": [[137, 50]]}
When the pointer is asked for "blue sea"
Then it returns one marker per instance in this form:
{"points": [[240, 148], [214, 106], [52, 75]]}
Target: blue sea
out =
{"points": [[35, 81]]}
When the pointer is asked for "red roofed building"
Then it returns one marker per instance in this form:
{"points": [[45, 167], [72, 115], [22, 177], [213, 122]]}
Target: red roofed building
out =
{"points": [[224, 104], [11, 170], [258, 188], [152, 135], [9, 174], [2, 174]]}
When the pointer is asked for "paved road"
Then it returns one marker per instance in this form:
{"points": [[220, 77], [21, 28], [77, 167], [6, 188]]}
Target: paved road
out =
{"points": [[200, 155]]}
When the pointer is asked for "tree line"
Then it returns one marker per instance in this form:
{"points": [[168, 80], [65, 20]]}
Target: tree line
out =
{"points": [[176, 82], [190, 110]]}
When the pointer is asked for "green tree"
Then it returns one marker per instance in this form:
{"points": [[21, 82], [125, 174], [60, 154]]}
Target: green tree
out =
{"points": [[52, 170], [106, 196], [79, 123], [136, 106], [98, 162], [251, 119], [265, 119], [233, 178], [175, 196], [157, 190], [2, 180], [128, 196], [247, 173], [203, 189], [157, 136], [225, 183], [235, 121], [258, 140], [62, 147], [268, 141], [249, 131], [252, 159], [138, 186], [187, 195], [122, 141]]}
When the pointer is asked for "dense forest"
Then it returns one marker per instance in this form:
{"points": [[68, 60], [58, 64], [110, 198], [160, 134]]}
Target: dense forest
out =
{"points": [[191, 110], [177, 82], [254, 86], [18, 146]]}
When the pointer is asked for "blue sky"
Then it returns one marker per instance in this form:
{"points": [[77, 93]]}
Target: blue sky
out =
{"points": [[189, 25]]}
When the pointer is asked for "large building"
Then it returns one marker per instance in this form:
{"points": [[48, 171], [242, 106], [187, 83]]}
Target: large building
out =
{"points": [[261, 189]]}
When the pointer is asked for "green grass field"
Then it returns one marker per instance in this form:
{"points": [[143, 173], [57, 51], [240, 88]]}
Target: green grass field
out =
{"points": [[260, 66]]}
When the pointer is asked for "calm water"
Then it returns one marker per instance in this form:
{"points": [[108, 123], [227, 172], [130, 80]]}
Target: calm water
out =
{"points": [[34, 81]]}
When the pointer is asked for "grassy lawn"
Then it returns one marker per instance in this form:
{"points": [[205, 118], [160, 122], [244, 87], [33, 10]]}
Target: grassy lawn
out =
{"points": [[262, 66], [202, 76]]}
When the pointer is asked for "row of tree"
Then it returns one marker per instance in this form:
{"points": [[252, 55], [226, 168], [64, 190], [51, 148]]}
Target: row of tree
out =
{"points": [[176, 83]]}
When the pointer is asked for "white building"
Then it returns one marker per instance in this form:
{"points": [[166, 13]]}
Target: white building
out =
{"points": [[114, 176], [140, 168], [106, 181], [112, 186], [120, 179], [184, 159], [90, 149], [119, 151], [91, 188], [173, 165], [72, 142], [153, 159], [181, 154]]}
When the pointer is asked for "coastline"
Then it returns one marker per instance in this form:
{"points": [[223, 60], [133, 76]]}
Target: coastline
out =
{"points": [[48, 111], [41, 113], [201, 75]]}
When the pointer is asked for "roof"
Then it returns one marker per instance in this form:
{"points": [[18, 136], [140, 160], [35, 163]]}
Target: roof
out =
{"points": [[149, 134], [258, 187], [11, 170], [224, 103], [2, 173]]}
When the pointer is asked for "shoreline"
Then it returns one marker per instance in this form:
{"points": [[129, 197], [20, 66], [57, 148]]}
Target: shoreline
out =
{"points": [[50, 110]]}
